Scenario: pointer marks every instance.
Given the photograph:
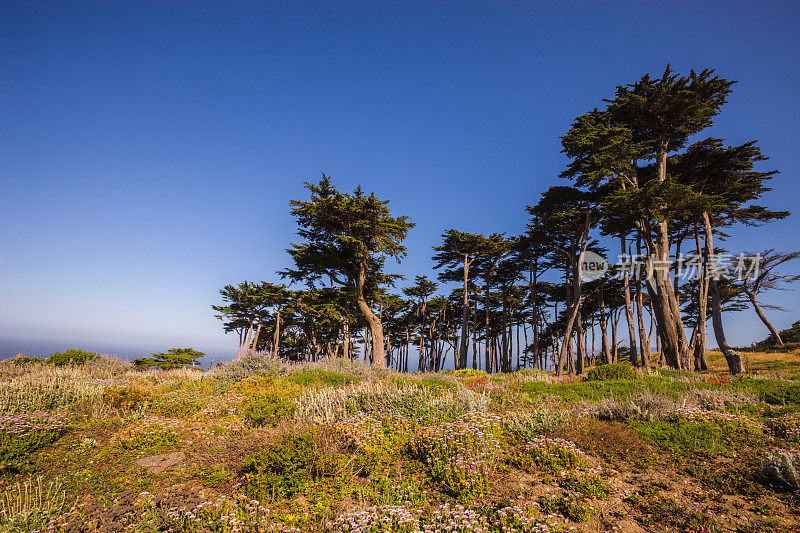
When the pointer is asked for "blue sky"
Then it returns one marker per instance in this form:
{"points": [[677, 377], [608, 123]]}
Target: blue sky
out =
{"points": [[149, 150]]}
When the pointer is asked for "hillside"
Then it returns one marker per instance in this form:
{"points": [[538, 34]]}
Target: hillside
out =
{"points": [[260, 445]]}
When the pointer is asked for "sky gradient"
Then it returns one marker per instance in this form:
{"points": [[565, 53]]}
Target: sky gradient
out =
{"points": [[148, 151]]}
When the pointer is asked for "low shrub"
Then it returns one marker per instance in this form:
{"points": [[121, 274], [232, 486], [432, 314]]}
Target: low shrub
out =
{"points": [[319, 377], [73, 356], [527, 425], [461, 454], [126, 397], [149, 434], [280, 471], [468, 373], [214, 475], [25, 433], [572, 506], [270, 404], [640, 406], [548, 455], [589, 486], [376, 437], [611, 371]]}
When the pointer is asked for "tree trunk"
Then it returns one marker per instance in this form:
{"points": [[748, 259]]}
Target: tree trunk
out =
{"points": [[734, 358], [702, 308], [577, 266], [603, 325], [375, 326], [461, 362], [626, 291], [763, 317]]}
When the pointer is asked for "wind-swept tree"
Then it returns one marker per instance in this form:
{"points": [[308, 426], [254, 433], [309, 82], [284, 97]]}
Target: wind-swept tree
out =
{"points": [[767, 277], [346, 240], [458, 251]]}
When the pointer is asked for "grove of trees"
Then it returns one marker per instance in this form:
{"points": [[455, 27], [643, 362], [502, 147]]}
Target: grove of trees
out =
{"points": [[643, 188]]}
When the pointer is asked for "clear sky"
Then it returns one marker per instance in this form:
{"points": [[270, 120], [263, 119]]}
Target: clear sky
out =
{"points": [[149, 150]]}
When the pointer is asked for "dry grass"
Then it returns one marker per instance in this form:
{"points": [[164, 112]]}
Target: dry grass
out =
{"points": [[759, 362]]}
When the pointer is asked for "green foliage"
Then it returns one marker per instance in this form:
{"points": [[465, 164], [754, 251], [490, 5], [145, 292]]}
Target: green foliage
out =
{"points": [[569, 505], [267, 401], [126, 397], [25, 360], [149, 436], [468, 373], [433, 384], [214, 475], [589, 486], [73, 356], [25, 433], [611, 372], [173, 358], [306, 378], [280, 471], [547, 455], [773, 391], [699, 436]]}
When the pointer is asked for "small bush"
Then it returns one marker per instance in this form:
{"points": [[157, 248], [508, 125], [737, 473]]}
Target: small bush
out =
{"points": [[126, 397], [527, 425], [783, 468], [306, 378], [642, 406], [266, 406], [280, 471], [214, 475], [548, 455], [468, 373], [462, 454], [589, 486], [23, 434], [73, 356], [149, 434], [611, 371]]}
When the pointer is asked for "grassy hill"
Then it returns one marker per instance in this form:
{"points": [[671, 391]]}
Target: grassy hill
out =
{"points": [[260, 445]]}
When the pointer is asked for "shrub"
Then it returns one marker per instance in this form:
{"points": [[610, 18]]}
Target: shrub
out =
{"points": [[249, 364], [73, 356], [149, 434], [611, 371], [468, 373], [783, 468], [214, 475], [570, 505], [720, 399], [461, 454], [305, 378], [589, 486], [281, 470], [23, 434], [527, 425], [376, 437], [642, 406], [549, 455], [266, 406], [126, 397]]}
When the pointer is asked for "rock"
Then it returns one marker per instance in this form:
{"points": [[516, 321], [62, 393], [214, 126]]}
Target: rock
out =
{"points": [[158, 463]]}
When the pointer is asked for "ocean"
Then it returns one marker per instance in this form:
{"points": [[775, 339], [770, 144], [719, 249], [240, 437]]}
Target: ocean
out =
{"points": [[10, 347]]}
